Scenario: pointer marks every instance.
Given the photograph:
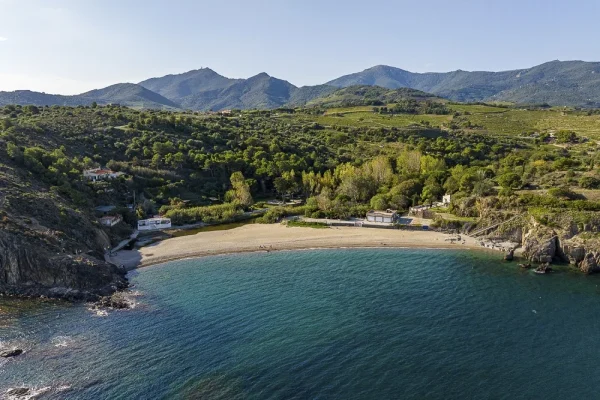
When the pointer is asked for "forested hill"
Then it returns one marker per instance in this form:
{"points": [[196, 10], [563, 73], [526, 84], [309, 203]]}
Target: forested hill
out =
{"points": [[370, 95], [495, 161], [568, 83], [574, 83], [204, 89]]}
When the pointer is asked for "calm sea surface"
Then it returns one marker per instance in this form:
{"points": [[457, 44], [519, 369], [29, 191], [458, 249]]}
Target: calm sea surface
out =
{"points": [[326, 324]]}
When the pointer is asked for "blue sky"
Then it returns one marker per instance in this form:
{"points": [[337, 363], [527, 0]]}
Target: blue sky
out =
{"points": [[70, 46]]}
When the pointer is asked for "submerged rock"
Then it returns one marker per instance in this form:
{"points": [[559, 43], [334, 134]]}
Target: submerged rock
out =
{"points": [[11, 353], [116, 301], [543, 269], [18, 392]]}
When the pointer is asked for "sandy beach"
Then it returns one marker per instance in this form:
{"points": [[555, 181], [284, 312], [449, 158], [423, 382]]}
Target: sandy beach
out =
{"points": [[259, 237]]}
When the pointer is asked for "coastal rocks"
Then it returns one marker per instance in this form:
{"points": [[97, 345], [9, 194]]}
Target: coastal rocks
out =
{"points": [[590, 264], [18, 392], [510, 255], [26, 393], [540, 246], [29, 269], [10, 353], [573, 253], [543, 269], [117, 301]]}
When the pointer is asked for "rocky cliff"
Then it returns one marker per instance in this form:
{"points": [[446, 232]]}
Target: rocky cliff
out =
{"points": [[49, 246], [30, 268], [565, 242], [545, 236]]}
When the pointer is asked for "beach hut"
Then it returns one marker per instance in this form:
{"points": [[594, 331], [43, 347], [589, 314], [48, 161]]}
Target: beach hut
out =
{"points": [[387, 216]]}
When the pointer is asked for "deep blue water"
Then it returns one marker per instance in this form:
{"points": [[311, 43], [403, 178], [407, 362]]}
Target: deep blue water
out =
{"points": [[326, 324]]}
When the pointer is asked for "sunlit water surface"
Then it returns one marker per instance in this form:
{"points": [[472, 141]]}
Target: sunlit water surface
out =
{"points": [[323, 324]]}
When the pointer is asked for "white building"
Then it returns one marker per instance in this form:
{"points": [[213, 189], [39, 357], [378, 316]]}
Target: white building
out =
{"points": [[154, 224], [97, 174], [111, 220], [388, 216], [446, 199]]}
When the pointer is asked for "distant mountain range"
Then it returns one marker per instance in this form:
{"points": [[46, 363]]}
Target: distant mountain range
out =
{"points": [[569, 83], [574, 83]]}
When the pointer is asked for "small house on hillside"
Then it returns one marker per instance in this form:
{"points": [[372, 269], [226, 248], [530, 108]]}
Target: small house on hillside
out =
{"points": [[97, 174], [111, 220], [154, 224], [446, 199], [387, 216]]}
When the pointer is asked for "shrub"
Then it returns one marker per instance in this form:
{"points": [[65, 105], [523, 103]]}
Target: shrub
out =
{"points": [[209, 214], [589, 182]]}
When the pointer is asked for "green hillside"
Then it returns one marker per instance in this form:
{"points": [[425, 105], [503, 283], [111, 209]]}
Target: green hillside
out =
{"points": [[368, 95], [495, 161]]}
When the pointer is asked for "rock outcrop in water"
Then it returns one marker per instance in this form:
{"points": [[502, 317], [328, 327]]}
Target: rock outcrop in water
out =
{"points": [[540, 245], [569, 240], [18, 392], [11, 353], [117, 301]]}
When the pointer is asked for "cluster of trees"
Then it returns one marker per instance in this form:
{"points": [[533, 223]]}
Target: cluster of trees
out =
{"points": [[340, 170], [410, 106]]}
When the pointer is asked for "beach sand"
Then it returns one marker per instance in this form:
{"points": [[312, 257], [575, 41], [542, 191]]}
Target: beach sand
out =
{"points": [[261, 237]]}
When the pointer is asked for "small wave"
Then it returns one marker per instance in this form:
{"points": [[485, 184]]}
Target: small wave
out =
{"points": [[63, 388], [61, 341], [98, 312]]}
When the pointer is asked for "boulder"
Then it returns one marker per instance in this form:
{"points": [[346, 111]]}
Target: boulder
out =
{"points": [[540, 245], [116, 301], [11, 353], [510, 255], [589, 264], [572, 253], [543, 269], [540, 249]]}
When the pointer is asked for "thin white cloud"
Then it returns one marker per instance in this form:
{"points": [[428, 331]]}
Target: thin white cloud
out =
{"points": [[3, 39]]}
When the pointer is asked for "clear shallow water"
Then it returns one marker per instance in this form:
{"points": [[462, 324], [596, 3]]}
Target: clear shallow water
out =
{"points": [[326, 324]]}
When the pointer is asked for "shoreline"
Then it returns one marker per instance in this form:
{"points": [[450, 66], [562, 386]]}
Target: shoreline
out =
{"points": [[256, 238], [203, 255]]}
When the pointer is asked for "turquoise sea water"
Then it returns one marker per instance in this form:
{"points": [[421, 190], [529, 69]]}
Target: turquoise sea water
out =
{"points": [[326, 324]]}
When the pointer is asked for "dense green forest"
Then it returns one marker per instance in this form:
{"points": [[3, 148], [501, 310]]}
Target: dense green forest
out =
{"points": [[212, 167]]}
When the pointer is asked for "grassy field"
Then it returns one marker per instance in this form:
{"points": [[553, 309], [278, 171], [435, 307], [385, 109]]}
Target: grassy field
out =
{"points": [[476, 108], [519, 122], [353, 117], [494, 120]]}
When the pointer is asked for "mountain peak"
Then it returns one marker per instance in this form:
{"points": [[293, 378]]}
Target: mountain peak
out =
{"points": [[262, 75], [575, 83]]}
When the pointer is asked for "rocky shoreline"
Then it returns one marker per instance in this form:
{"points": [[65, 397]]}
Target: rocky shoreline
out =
{"points": [[542, 245], [30, 271]]}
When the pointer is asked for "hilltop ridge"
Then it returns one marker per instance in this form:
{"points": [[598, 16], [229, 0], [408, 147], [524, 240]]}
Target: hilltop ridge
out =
{"points": [[557, 83]]}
